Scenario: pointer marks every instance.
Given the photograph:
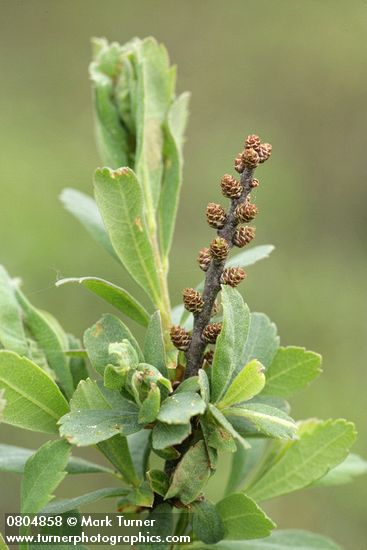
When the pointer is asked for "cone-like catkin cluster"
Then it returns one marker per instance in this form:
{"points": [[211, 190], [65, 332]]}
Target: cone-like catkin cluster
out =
{"points": [[180, 338], [212, 259], [192, 300]]}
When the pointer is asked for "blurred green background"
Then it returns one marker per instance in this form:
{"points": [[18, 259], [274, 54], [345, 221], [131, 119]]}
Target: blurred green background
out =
{"points": [[290, 70]]}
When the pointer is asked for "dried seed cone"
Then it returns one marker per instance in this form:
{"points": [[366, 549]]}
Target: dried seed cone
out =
{"points": [[211, 332], [215, 215], [264, 152], [231, 187], [180, 338], [250, 158], [243, 236], [204, 258], [239, 165], [246, 212], [219, 249], [253, 142], [232, 276], [192, 300]]}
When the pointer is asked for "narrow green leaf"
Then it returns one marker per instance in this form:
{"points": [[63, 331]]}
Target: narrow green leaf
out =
{"points": [[292, 369], [77, 360], [165, 435], [180, 408], [108, 330], [65, 505], [2, 404], [150, 406], [85, 210], [43, 472], [191, 474], [140, 447], [118, 452], [243, 462], [319, 448], [262, 340], [264, 419], [248, 383], [250, 256], [172, 177], [204, 385], [215, 436], [345, 472], [162, 526], [34, 402], [230, 342], [154, 351], [279, 540], [219, 417], [243, 518], [137, 496], [114, 295], [120, 200], [49, 340], [159, 481], [207, 522], [13, 459], [12, 335]]}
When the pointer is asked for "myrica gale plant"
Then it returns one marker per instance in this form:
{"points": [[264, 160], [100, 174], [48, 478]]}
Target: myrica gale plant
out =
{"points": [[210, 376]]}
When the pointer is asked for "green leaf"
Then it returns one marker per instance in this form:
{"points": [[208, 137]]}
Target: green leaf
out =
{"points": [[85, 210], [250, 256], [2, 404], [264, 419], [219, 417], [65, 505], [12, 335], [139, 447], [215, 435], [292, 369], [154, 352], [3, 546], [108, 330], [345, 472], [43, 472], [206, 522], [34, 402], [243, 518], [181, 407], [204, 385], [137, 496], [172, 177], [118, 452], [49, 340], [243, 462], [150, 406], [159, 481], [262, 340], [114, 295], [230, 342], [13, 459], [165, 435], [318, 449], [191, 474], [248, 383], [279, 540], [77, 360], [162, 526], [120, 200]]}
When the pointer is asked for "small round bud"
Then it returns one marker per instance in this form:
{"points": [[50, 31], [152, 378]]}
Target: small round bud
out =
{"points": [[232, 276], [250, 158], [192, 300], [219, 249], [204, 258], [246, 212], [211, 332], [253, 142], [215, 215], [264, 152], [243, 236], [231, 187], [254, 183], [239, 165], [180, 338]]}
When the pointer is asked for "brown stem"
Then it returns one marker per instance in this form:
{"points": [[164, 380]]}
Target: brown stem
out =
{"points": [[194, 355]]}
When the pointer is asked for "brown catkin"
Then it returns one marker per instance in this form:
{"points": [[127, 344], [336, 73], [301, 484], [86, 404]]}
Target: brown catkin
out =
{"points": [[204, 258], [264, 152], [246, 212], [239, 165], [192, 300], [211, 332], [180, 338], [250, 158], [253, 142], [219, 249], [231, 187], [232, 276], [215, 215], [243, 236]]}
